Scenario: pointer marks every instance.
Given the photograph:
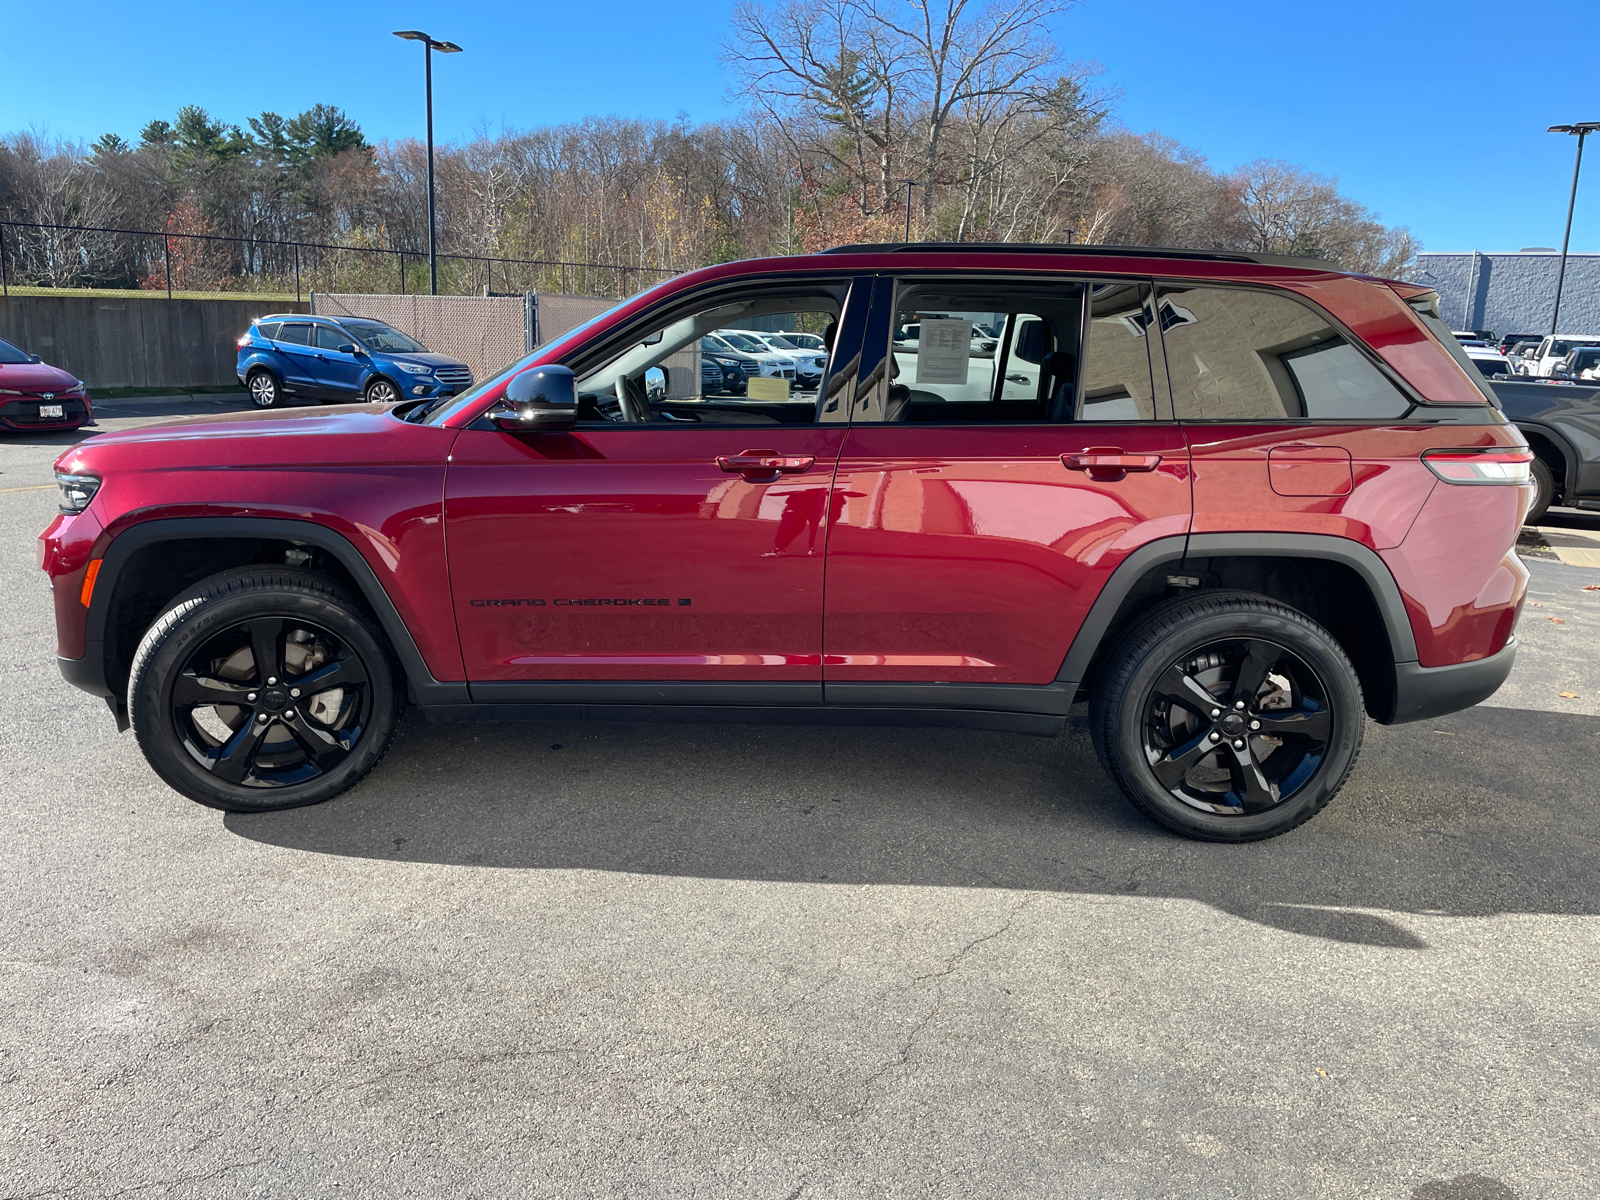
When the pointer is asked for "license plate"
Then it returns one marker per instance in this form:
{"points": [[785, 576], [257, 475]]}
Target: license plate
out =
{"points": [[51, 410]]}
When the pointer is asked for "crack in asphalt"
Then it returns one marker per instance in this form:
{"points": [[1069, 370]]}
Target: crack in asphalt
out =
{"points": [[143, 1187], [950, 966]]}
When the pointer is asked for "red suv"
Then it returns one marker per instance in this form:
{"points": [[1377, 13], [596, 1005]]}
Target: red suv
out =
{"points": [[1238, 503]]}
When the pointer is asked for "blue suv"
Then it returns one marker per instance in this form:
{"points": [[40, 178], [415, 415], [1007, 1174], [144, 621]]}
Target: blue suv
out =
{"points": [[344, 361]]}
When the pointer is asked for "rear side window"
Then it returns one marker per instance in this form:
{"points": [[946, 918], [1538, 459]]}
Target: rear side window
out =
{"points": [[295, 335], [1236, 354], [270, 332]]}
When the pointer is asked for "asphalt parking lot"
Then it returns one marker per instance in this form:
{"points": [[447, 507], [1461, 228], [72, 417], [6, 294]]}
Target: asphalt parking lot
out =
{"points": [[639, 961]]}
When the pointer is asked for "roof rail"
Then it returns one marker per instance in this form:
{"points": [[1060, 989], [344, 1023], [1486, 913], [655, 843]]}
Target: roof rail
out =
{"points": [[1269, 260]]}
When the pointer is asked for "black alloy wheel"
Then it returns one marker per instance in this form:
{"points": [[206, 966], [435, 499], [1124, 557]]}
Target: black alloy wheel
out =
{"points": [[381, 391], [264, 389], [263, 689], [1228, 717]]}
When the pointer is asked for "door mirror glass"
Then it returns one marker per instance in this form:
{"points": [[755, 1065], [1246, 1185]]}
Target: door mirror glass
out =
{"points": [[346, 348], [541, 399], [655, 383]]}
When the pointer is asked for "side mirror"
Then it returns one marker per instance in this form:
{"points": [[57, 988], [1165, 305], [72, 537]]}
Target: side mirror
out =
{"points": [[655, 383], [34, 358], [544, 398], [347, 348], [653, 340]]}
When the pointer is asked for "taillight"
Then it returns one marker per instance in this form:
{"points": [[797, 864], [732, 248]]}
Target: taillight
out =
{"points": [[244, 341], [1495, 464]]}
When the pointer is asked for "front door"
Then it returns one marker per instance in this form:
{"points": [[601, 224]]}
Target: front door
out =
{"points": [[1019, 452], [679, 538], [338, 372]]}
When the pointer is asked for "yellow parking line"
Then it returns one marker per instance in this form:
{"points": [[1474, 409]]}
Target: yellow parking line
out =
{"points": [[38, 487]]}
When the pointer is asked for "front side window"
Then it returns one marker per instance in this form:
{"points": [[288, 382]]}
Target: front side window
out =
{"points": [[657, 374], [1239, 354], [329, 338]]}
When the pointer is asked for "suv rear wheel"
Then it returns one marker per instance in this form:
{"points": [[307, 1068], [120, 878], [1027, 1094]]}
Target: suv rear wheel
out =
{"points": [[264, 389], [262, 689], [1228, 717]]}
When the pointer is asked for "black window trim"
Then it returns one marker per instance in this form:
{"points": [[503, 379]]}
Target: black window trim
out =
{"points": [[1344, 331]]}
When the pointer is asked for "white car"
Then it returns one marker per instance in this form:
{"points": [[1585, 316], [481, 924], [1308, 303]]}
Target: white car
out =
{"points": [[808, 364], [773, 364], [1554, 350], [1489, 361]]}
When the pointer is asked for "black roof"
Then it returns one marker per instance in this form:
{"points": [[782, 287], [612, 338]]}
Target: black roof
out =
{"points": [[1270, 260]]}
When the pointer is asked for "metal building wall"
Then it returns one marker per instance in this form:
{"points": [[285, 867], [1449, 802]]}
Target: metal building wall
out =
{"points": [[1513, 293]]}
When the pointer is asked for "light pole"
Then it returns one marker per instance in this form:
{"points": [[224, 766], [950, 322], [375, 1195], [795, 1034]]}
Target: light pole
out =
{"points": [[910, 183], [428, 47], [1583, 129]]}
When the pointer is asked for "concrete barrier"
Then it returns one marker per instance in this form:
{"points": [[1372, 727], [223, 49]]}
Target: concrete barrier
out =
{"points": [[135, 341]]}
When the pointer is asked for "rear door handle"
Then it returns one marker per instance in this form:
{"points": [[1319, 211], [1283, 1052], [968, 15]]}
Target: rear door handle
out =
{"points": [[763, 466], [1110, 458]]}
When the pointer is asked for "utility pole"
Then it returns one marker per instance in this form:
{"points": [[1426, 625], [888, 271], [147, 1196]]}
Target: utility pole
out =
{"points": [[910, 183], [1583, 129], [429, 45]]}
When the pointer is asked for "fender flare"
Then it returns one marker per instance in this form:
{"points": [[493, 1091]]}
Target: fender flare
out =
{"points": [[1563, 443], [1365, 562], [423, 686]]}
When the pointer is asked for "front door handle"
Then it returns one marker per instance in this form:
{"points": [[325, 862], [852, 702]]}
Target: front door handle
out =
{"points": [[1109, 459], [763, 466]]}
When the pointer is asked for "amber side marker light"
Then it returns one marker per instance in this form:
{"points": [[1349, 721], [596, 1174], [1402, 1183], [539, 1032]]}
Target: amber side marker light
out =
{"points": [[89, 576], [1496, 465]]}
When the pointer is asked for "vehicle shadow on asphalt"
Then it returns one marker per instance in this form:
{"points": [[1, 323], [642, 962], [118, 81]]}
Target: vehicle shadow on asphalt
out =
{"points": [[1483, 812]]}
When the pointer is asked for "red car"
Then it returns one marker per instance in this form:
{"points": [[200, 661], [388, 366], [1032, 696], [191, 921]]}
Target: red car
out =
{"points": [[35, 395], [1237, 503]]}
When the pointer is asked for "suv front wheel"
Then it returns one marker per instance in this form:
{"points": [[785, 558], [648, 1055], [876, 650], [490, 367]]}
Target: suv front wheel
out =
{"points": [[1228, 717], [264, 688]]}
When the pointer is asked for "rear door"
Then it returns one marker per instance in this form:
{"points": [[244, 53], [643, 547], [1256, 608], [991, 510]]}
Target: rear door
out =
{"points": [[295, 350], [685, 548], [988, 493]]}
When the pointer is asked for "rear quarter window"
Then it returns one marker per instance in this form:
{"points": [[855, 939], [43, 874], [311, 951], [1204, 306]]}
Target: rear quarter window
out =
{"points": [[1237, 354], [270, 332]]}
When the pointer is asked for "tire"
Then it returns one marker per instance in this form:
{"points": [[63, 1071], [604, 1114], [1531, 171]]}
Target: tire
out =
{"points": [[383, 391], [1544, 491], [1273, 755], [264, 388], [278, 746]]}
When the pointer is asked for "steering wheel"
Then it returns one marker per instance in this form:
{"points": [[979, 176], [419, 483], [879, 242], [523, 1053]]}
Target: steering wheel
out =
{"points": [[635, 405]]}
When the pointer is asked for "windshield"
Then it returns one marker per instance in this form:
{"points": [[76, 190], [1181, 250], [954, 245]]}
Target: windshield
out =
{"points": [[382, 338], [1492, 366], [739, 342], [778, 342], [10, 354]]}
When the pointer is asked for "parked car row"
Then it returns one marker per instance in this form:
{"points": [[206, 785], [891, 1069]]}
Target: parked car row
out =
{"points": [[1553, 357]]}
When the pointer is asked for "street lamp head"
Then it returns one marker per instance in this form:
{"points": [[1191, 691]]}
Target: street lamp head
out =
{"points": [[416, 35], [1577, 127]]}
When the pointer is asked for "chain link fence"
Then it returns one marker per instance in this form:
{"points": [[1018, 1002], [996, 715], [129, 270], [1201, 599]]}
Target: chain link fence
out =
{"points": [[37, 258], [488, 333]]}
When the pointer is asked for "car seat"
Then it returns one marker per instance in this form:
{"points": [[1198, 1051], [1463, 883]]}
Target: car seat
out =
{"points": [[1060, 370]]}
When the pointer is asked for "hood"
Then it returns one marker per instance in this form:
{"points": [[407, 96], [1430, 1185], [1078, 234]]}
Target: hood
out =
{"points": [[430, 358], [35, 377], [320, 421]]}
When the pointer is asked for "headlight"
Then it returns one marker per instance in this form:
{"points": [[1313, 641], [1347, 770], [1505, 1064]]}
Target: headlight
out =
{"points": [[76, 491], [414, 368]]}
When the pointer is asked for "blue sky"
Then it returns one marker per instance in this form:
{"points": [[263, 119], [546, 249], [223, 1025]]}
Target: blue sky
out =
{"points": [[1432, 114]]}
